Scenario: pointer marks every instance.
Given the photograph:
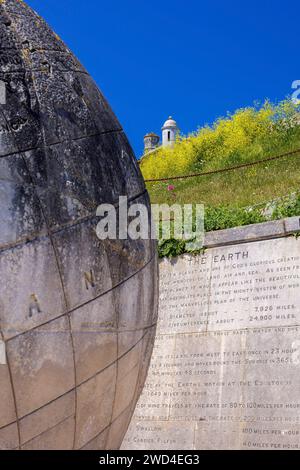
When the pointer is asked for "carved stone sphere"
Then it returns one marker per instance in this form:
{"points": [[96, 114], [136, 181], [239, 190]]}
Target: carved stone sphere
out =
{"points": [[77, 314]]}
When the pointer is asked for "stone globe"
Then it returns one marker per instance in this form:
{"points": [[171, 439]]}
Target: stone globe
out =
{"points": [[77, 313]]}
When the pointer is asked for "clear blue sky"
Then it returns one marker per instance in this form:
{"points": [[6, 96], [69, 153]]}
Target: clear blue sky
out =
{"points": [[193, 59]]}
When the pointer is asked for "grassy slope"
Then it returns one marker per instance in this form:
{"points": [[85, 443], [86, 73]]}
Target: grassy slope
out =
{"points": [[248, 135], [238, 188]]}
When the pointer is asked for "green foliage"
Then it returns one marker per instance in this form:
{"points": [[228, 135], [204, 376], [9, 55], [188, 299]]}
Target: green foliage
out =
{"points": [[224, 217], [297, 235], [170, 248], [218, 218], [288, 207]]}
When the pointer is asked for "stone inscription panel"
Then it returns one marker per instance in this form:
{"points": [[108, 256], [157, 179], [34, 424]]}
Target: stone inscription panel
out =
{"points": [[225, 372]]}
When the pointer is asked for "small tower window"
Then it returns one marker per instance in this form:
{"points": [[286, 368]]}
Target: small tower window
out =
{"points": [[169, 136]]}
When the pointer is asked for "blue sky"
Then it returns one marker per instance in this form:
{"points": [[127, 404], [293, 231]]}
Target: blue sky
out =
{"points": [[193, 59]]}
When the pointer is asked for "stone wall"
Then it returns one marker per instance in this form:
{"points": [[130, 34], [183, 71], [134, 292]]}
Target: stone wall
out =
{"points": [[225, 372]]}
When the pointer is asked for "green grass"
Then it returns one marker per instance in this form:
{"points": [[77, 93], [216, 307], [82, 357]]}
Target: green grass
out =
{"points": [[238, 188]]}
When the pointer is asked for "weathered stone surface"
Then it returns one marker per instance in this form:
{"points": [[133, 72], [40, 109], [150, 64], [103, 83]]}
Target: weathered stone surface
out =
{"points": [[225, 368], [160, 435], [77, 315], [31, 278], [94, 405], [7, 408], [99, 442], [41, 363], [292, 225], [17, 190], [47, 417], [255, 232], [60, 437], [9, 437], [127, 379], [94, 330], [117, 429]]}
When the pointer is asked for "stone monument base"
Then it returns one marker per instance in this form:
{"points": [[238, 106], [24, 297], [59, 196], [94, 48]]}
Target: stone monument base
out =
{"points": [[225, 372]]}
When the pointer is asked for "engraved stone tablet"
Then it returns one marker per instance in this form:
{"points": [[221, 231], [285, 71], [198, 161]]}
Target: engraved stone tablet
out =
{"points": [[225, 372], [77, 314]]}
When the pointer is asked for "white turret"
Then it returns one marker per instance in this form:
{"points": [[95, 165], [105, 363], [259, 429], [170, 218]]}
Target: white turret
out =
{"points": [[169, 132]]}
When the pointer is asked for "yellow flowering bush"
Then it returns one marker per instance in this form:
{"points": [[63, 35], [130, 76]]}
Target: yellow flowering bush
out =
{"points": [[248, 134]]}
